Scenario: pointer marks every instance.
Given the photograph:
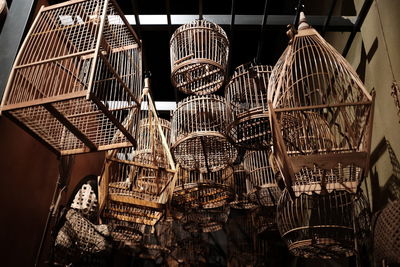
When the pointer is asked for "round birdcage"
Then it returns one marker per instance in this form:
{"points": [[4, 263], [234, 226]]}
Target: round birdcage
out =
{"points": [[194, 189], [197, 138], [157, 241], [321, 116], [262, 186], [240, 187], [247, 107], [205, 220], [323, 225], [125, 234], [387, 234], [199, 54]]}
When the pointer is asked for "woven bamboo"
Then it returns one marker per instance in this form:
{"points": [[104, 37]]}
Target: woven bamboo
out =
{"points": [[85, 200], [262, 187], [240, 184], [247, 107], [194, 189], [125, 234], [387, 234], [136, 184], [321, 117], [197, 138], [77, 75], [205, 220], [323, 226], [199, 55]]}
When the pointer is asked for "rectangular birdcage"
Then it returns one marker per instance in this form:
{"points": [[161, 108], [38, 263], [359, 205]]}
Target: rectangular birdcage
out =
{"points": [[76, 77]]}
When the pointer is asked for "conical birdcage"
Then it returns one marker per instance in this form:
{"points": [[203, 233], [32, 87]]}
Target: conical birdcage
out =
{"points": [[247, 107], [262, 186], [321, 116], [136, 184], [76, 76], [240, 188], [194, 189], [199, 54], [325, 225], [197, 138]]}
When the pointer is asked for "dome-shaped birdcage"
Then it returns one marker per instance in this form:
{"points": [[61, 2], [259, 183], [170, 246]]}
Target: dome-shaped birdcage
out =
{"points": [[325, 225], [387, 234], [197, 138], [199, 54], [194, 189], [205, 220], [247, 115], [240, 188], [321, 116], [262, 186]]}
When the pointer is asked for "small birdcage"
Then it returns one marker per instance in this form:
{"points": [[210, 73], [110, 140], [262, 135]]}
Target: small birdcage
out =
{"points": [[194, 189], [240, 184], [323, 225], [205, 220], [247, 107], [76, 77], [262, 186], [197, 138], [199, 54], [387, 234], [136, 184], [321, 117]]}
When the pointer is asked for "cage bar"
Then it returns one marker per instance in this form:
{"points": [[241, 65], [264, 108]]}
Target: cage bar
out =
{"points": [[240, 188], [205, 220]]}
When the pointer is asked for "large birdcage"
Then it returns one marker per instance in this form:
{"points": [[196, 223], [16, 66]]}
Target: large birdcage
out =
{"points": [[197, 138], [240, 189], [321, 116], [199, 54], [205, 220], [77, 76], [262, 186], [194, 189], [136, 184], [323, 225], [247, 107]]}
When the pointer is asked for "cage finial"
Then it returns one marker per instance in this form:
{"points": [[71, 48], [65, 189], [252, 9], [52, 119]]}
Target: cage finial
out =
{"points": [[303, 24]]}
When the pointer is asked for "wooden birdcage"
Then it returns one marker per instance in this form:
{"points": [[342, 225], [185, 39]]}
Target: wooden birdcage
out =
{"points": [[194, 189], [262, 186], [240, 184], [125, 234], [321, 117], [323, 225], [264, 219], [197, 138], [205, 220], [199, 54], [136, 184], [76, 77], [247, 107], [387, 234], [157, 241]]}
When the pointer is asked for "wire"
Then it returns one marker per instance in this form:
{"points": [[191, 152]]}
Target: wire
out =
{"points": [[262, 39]]}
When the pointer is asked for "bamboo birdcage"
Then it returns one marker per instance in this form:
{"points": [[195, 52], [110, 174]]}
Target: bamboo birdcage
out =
{"points": [[197, 138], [157, 241], [262, 186], [264, 219], [321, 117], [194, 189], [136, 184], [240, 188], [76, 77], [247, 107], [205, 220], [323, 225], [199, 54]]}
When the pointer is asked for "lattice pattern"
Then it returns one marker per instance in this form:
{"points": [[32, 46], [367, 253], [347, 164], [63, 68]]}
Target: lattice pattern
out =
{"points": [[322, 226], [321, 116], [246, 97], [199, 55], [205, 220], [125, 234], [198, 143], [76, 78], [240, 188]]}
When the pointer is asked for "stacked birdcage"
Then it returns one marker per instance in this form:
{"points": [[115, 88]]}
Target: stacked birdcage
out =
{"points": [[323, 225], [321, 116], [205, 220], [240, 188], [76, 77], [247, 107]]}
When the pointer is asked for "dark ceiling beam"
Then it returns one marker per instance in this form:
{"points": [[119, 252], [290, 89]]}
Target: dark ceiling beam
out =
{"points": [[357, 25], [328, 18]]}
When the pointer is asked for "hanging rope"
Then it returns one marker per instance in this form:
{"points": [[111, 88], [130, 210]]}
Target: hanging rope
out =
{"points": [[262, 34], [200, 9]]}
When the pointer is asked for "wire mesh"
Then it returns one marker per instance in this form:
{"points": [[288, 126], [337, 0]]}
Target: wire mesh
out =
{"points": [[197, 138], [321, 114], [323, 226], [77, 77], [199, 54], [247, 107]]}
